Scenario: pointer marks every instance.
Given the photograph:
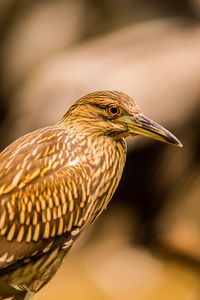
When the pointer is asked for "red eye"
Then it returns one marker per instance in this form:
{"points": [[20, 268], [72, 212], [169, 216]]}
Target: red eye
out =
{"points": [[113, 110]]}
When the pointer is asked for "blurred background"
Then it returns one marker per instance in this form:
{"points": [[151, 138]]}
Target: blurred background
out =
{"points": [[146, 246]]}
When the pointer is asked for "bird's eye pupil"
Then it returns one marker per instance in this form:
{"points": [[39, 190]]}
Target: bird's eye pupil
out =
{"points": [[113, 110]]}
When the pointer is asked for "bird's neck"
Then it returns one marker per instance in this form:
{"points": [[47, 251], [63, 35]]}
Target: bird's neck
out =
{"points": [[96, 142], [103, 158]]}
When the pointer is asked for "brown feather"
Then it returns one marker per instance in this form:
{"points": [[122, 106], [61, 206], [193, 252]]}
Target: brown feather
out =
{"points": [[54, 182]]}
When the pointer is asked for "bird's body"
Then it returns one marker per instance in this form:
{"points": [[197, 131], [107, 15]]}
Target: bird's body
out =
{"points": [[54, 182]]}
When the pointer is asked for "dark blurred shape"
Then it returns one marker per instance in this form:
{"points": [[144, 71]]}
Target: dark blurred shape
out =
{"points": [[108, 15]]}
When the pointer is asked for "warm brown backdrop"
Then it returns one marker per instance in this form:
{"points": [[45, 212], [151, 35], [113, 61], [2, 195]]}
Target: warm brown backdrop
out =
{"points": [[147, 244]]}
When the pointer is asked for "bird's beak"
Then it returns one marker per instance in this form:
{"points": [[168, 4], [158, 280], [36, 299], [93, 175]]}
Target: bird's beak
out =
{"points": [[141, 125]]}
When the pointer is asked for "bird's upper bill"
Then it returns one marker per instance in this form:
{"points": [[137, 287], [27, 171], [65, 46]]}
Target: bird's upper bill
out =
{"points": [[141, 125]]}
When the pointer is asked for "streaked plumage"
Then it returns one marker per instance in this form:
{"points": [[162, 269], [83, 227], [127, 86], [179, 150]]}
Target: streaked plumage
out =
{"points": [[55, 181]]}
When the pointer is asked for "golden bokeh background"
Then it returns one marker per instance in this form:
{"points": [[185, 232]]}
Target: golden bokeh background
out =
{"points": [[146, 246]]}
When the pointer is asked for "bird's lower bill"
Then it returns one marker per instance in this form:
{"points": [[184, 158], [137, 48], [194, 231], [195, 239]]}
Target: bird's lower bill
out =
{"points": [[141, 125]]}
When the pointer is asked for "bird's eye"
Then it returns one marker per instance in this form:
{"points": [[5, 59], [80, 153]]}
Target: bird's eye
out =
{"points": [[113, 110]]}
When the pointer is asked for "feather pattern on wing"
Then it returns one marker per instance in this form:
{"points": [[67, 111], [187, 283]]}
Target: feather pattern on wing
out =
{"points": [[49, 191]]}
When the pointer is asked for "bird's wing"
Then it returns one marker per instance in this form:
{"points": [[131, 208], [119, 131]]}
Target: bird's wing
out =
{"points": [[42, 200]]}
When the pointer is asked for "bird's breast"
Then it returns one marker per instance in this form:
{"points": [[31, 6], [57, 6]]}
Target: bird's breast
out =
{"points": [[104, 160]]}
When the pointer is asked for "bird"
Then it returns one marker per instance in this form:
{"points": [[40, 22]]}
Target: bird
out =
{"points": [[56, 181]]}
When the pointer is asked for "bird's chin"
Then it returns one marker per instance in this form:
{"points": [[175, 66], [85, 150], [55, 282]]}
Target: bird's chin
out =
{"points": [[119, 135]]}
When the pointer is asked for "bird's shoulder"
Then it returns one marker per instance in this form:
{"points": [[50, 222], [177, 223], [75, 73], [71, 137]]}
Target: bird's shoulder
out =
{"points": [[32, 156]]}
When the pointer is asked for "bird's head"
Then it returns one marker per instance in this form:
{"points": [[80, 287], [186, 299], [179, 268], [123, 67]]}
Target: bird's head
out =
{"points": [[114, 114]]}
